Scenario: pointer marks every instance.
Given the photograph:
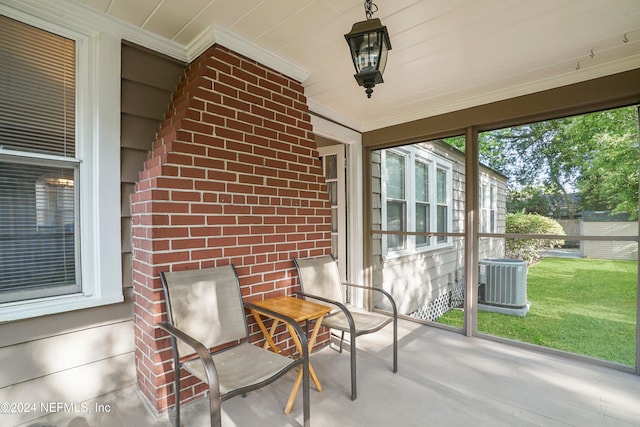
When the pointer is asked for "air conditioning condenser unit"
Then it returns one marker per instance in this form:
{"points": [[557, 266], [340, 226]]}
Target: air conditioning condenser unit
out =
{"points": [[503, 286]]}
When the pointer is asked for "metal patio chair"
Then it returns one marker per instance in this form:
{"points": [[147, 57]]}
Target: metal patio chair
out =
{"points": [[205, 311], [320, 280]]}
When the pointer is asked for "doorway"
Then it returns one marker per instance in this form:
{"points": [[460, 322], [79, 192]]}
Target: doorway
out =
{"points": [[332, 159]]}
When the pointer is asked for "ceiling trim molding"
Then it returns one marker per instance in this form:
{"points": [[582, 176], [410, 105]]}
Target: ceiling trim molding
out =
{"points": [[68, 14], [573, 76], [334, 131], [71, 15], [201, 43], [322, 111], [218, 35]]}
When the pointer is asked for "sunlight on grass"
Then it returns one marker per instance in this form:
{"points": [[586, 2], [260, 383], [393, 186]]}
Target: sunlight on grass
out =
{"points": [[578, 305]]}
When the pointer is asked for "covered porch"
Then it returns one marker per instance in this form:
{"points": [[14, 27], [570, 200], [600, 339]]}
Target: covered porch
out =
{"points": [[444, 379], [203, 145]]}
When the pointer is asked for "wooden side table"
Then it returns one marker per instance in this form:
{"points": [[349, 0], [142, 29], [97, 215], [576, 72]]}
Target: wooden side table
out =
{"points": [[299, 310]]}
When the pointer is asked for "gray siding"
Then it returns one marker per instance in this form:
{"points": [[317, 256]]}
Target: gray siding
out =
{"points": [[148, 80], [419, 279]]}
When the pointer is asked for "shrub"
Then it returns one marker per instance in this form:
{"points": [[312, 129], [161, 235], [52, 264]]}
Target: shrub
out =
{"points": [[529, 249]]}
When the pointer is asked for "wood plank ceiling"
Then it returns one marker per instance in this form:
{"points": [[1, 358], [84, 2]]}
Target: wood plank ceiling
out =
{"points": [[447, 54]]}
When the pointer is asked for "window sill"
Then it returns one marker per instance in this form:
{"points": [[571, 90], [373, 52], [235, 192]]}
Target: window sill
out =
{"points": [[426, 250], [46, 306]]}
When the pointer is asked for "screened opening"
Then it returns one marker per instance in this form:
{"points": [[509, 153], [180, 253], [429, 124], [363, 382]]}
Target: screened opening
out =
{"points": [[562, 271], [418, 210]]}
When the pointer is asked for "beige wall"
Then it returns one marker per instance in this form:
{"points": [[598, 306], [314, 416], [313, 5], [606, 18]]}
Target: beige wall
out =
{"points": [[69, 357], [609, 249]]}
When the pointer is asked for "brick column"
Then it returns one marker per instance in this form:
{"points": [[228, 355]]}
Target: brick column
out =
{"points": [[233, 177]]}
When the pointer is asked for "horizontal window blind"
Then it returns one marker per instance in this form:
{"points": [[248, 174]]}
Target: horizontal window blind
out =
{"points": [[39, 250], [37, 231], [37, 90]]}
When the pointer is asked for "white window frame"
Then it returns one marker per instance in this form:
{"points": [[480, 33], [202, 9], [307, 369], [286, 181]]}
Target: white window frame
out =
{"points": [[98, 153], [407, 201], [412, 154], [430, 202], [488, 193]]}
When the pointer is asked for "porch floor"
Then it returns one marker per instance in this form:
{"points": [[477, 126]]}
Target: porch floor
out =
{"points": [[444, 379]]}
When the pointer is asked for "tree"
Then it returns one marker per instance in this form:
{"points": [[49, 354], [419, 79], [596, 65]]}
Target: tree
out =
{"points": [[529, 199], [542, 155], [594, 153], [609, 179]]}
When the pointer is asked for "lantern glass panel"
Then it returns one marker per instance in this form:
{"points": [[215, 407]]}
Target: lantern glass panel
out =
{"points": [[369, 52]]}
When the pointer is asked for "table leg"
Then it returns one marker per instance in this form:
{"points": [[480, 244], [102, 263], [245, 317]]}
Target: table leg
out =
{"points": [[312, 373], [312, 342], [268, 335]]}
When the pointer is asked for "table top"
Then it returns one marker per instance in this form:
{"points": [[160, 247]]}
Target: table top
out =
{"points": [[296, 308]]}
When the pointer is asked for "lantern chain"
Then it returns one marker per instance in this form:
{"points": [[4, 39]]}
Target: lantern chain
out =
{"points": [[370, 8]]}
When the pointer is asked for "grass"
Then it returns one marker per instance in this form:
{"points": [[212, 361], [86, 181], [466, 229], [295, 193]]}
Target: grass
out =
{"points": [[581, 306]]}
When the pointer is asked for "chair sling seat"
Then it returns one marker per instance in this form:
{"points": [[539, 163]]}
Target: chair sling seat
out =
{"points": [[364, 321], [242, 366]]}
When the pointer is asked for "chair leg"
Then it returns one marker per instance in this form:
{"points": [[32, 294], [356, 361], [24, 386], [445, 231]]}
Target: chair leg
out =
{"points": [[395, 345], [214, 411], [306, 405], [354, 393], [339, 349], [176, 389]]}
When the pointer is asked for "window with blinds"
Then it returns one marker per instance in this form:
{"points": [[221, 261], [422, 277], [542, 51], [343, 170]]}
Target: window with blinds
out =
{"points": [[39, 242]]}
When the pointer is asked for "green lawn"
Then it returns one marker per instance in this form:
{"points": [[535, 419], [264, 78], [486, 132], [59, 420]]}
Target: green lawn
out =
{"points": [[578, 305]]}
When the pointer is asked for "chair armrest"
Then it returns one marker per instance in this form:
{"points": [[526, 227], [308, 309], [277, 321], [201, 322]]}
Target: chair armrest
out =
{"points": [[341, 306], [301, 335], [382, 291], [202, 351], [203, 354]]}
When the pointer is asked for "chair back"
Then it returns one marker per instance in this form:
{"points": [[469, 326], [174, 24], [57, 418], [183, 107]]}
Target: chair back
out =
{"points": [[320, 276], [205, 304]]}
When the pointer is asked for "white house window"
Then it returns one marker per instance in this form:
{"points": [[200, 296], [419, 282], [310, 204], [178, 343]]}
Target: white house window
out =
{"points": [[417, 197], [423, 208], [443, 203], [488, 205], [396, 199], [38, 167], [59, 197]]}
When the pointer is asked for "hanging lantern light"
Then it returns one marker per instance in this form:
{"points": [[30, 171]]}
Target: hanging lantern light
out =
{"points": [[369, 43]]}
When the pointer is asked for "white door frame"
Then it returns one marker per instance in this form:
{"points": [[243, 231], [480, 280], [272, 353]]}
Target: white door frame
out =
{"points": [[341, 229], [355, 234]]}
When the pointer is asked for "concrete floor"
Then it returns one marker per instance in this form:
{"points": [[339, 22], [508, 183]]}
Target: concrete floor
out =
{"points": [[444, 379]]}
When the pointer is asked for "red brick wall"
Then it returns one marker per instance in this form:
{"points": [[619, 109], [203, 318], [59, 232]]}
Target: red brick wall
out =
{"points": [[234, 177]]}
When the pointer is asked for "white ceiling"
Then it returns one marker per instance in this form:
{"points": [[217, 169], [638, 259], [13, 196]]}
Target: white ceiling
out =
{"points": [[447, 54]]}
